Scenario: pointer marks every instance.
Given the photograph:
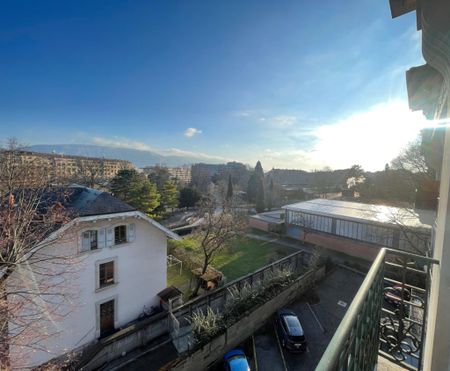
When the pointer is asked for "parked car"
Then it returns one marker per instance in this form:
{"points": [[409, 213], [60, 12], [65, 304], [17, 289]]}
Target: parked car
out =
{"points": [[235, 360], [393, 295], [290, 331]]}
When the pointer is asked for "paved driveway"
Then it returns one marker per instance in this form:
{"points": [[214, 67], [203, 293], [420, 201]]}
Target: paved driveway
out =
{"points": [[319, 320]]}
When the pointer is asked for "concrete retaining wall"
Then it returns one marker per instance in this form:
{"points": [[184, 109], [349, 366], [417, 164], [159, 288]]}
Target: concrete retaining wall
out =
{"points": [[128, 339], [247, 325]]}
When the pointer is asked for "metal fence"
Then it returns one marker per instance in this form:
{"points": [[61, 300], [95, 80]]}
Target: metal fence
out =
{"points": [[387, 316], [218, 298]]}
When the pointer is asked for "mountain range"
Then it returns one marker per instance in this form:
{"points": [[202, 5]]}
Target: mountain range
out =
{"points": [[139, 158]]}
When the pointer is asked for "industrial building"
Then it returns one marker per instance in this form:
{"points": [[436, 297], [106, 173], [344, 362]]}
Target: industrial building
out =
{"points": [[359, 229]]}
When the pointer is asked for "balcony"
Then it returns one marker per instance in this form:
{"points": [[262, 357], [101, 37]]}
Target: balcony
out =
{"points": [[385, 322]]}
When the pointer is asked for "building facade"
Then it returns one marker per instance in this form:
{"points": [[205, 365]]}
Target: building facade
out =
{"points": [[429, 91], [112, 264], [58, 167], [181, 174], [359, 229]]}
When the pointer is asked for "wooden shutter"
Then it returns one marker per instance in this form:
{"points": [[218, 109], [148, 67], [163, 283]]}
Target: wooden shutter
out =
{"points": [[110, 237], [101, 238], [131, 232], [85, 241]]}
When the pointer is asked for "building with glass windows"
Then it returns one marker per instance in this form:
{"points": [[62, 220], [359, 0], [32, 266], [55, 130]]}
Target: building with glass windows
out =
{"points": [[359, 229]]}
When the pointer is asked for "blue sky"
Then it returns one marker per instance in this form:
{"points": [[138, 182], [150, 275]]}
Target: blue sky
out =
{"points": [[298, 84]]}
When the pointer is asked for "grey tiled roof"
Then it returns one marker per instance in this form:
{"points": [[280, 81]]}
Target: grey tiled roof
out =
{"points": [[81, 201], [84, 201]]}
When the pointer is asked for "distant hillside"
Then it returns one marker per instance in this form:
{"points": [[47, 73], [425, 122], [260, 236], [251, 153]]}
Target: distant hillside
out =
{"points": [[138, 157]]}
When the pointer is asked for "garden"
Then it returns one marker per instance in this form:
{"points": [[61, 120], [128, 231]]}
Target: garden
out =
{"points": [[242, 255]]}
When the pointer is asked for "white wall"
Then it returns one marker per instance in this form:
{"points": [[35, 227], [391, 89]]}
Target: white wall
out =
{"points": [[437, 345], [141, 274]]}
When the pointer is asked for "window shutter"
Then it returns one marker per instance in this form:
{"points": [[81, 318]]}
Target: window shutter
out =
{"points": [[110, 237], [131, 232], [101, 238], [85, 241]]}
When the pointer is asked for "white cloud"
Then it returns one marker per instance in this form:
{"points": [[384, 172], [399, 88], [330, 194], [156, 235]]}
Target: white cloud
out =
{"points": [[190, 132], [279, 121], [122, 143], [193, 154]]}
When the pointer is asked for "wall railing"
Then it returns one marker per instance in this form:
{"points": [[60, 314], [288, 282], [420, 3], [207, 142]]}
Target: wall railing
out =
{"points": [[387, 316]]}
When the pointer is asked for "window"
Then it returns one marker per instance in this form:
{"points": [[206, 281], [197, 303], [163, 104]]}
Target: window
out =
{"points": [[90, 240], [120, 234], [106, 274]]}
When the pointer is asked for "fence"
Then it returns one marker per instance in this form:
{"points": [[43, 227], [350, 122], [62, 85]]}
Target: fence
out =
{"points": [[217, 299], [387, 316]]}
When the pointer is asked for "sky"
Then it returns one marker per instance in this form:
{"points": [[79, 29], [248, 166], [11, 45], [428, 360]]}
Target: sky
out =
{"points": [[293, 83]]}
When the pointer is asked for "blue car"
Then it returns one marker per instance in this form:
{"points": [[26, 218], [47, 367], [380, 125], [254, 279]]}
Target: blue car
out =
{"points": [[235, 360]]}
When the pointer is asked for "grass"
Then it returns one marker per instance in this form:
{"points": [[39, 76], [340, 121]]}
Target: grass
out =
{"points": [[246, 255], [242, 256]]}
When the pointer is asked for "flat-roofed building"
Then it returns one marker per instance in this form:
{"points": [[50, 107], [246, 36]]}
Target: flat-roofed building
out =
{"points": [[359, 229], [271, 221]]}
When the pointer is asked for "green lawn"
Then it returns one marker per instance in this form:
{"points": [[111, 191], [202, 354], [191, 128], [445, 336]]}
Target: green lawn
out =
{"points": [[246, 255], [242, 256]]}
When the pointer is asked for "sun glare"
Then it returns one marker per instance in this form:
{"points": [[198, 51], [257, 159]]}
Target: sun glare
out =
{"points": [[375, 137]]}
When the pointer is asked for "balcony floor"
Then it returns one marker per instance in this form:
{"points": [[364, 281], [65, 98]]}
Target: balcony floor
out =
{"points": [[386, 365]]}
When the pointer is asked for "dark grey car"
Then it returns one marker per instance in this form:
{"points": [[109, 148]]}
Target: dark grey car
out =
{"points": [[290, 331]]}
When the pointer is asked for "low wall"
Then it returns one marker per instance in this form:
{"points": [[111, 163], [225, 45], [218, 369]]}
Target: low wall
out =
{"points": [[258, 224], [245, 327], [126, 340]]}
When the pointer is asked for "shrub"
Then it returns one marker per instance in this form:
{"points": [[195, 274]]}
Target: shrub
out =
{"points": [[242, 300], [205, 326]]}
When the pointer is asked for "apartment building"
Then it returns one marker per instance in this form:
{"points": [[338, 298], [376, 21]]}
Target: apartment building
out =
{"points": [[57, 167], [181, 174]]}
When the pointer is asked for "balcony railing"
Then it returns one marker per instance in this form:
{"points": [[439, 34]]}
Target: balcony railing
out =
{"points": [[387, 316]]}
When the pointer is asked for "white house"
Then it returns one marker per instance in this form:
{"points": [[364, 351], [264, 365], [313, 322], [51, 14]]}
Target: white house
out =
{"points": [[111, 265]]}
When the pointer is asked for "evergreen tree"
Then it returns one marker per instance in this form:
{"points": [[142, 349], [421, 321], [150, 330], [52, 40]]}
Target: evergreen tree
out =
{"points": [[270, 195], [260, 204], [252, 188], [259, 170], [230, 189], [135, 190], [189, 197], [124, 184], [159, 175], [146, 197], [169, 195]]}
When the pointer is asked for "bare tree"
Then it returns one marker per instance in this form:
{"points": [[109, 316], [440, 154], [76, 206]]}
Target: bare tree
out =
{"points": [[32, 275], [305, 222], [221, 224], [17, 170], [412, 160], [411, 239], [90, 173]]}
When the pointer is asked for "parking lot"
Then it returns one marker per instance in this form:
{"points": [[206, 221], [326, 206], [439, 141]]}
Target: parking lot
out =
{"points": [[320, 315]]}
